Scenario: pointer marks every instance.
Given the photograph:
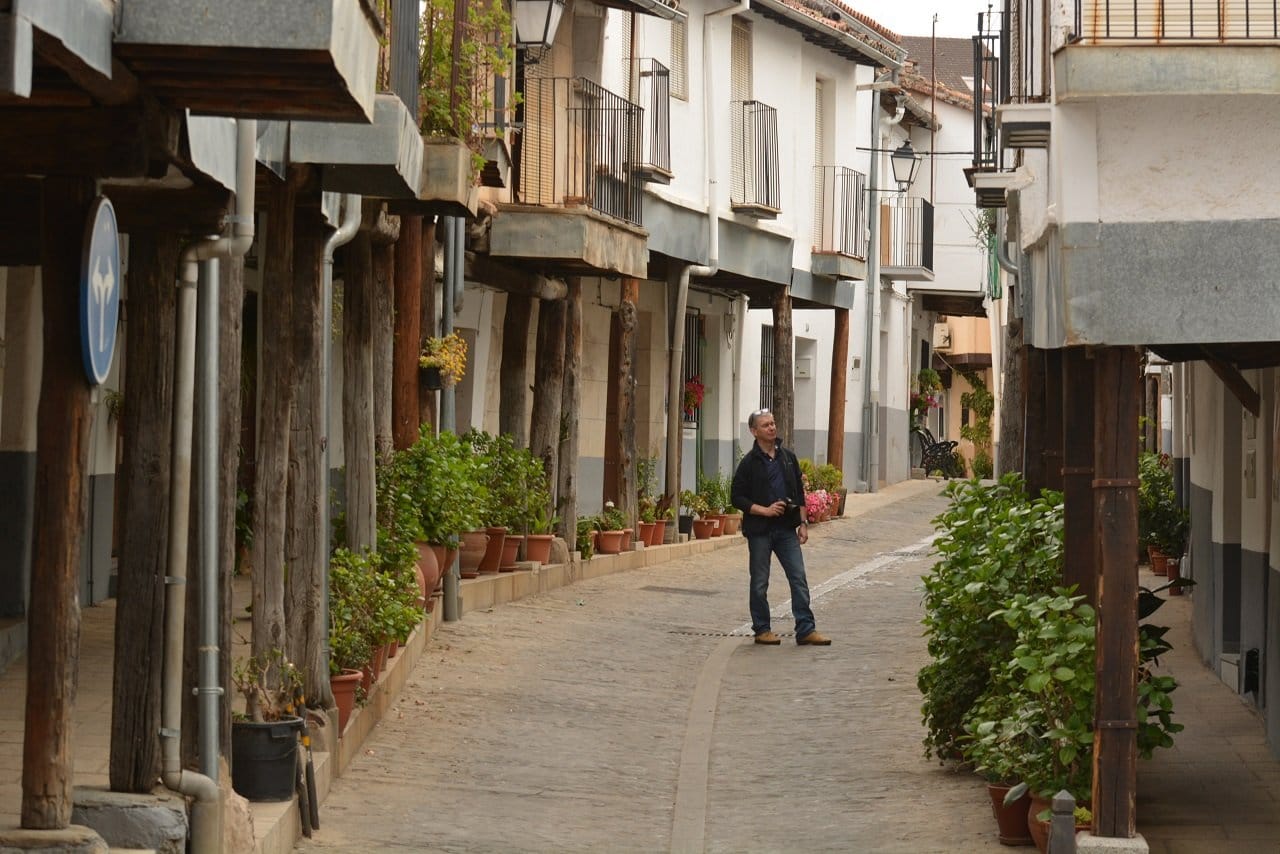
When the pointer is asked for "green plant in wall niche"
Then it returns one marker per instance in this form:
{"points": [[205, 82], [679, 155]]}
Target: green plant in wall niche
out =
{"points": [[982, 403]]}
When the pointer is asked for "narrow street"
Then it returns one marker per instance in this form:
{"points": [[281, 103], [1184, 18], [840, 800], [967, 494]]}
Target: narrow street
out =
{"points": [[633, 713]]}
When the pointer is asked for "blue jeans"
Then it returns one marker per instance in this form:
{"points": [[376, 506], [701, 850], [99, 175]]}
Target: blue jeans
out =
{"points": [[783, 542]]}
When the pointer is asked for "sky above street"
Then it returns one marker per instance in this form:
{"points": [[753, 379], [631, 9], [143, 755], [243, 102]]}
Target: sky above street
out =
{"points": [[956, 18]]}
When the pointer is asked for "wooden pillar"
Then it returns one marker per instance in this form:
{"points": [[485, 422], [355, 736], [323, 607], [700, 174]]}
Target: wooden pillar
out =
{"points": [[628, 323], [548, 385], [144, 482], [1151, 413], [1034, 432], [408, 308], [306, 551], [358, 452], [839, 385], [784, 386], [230, 411], [429, 324], [1009, 454], [571, 405], [61, 501], [1053, 427], [270, 491], [1079, 562], [1117, 397], [384, 231], [514, 383]]}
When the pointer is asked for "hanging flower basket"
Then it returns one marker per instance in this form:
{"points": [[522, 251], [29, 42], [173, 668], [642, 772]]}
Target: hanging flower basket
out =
{"points": [[694, 391], [443, 360]]}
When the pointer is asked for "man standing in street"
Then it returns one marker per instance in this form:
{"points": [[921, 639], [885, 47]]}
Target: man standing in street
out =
{"points": [[769, 490]]}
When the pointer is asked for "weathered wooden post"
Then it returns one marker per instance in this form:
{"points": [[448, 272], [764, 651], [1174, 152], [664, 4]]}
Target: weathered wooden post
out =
{"points": [[544, 429], [407, 335], [784, 386], [357, 393], [1034, 415], [628, 323], [571, 397], [62, 457], [1079, 561], [514, 382], [1053, 425], [1115, 485], [839, 385]]}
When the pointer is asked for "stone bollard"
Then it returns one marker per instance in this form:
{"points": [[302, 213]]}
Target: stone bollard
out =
{"points": [[1062, 825]]}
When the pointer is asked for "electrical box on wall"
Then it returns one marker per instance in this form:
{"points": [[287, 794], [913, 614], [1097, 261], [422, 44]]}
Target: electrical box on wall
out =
{"points": [[942, 337], [804, 368]]}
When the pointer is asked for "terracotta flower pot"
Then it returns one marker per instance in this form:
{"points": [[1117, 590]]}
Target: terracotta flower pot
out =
{"points": [[704, 529], [718, 518], [492, 560], [430, 567], [1011, 820], [732, 523], [510, 552], [1159, 561], [660, 532], [472, 551], [610, 542], [538, 547], [646, 532], [344, 694]]}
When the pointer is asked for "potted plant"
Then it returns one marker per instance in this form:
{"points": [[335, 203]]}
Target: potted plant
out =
{"points": [[694, 392], [264, 738], [696, 504], [350, 647], [585, 543], [613, 525], [443, 361]]}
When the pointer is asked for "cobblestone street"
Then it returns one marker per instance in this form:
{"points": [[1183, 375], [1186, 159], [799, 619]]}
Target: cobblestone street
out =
{"points": [[633, 713]]}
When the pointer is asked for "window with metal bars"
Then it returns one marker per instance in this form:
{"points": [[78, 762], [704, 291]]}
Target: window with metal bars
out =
{"points": [[766, 367], [680, 57], [692, 360]]}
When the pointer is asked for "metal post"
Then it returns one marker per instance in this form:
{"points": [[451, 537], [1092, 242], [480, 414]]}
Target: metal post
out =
{"points": [[448, 416]]}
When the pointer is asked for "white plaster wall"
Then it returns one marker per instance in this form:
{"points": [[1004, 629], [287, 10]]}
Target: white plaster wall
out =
{"points": [[1270, 391], [1204, 399]]}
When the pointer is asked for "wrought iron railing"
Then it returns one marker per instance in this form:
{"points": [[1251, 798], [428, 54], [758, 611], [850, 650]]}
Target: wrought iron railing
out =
{"points": [[840, 221], [755, 157], [653, 92], [908, 233], [990, 87], [580, 146], [1177, 20]]}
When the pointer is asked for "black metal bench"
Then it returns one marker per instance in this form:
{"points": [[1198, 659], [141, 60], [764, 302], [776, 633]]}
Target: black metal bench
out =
{"points": [[937, 456]]}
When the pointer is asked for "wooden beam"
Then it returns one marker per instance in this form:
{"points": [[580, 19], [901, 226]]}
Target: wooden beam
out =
{"points": [[20, 222], [1235, 381], [1034, 432], [1115, 486], [513, 280], [120, 87], [93, 142], [198, 210]]}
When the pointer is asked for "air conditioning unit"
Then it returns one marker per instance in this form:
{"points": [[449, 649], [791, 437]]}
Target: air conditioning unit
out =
{"points": [[942, 337]]}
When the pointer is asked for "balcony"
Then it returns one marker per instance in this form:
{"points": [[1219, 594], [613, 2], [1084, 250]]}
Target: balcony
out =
{"points": [[754, 190], [290, 59], [906, 239], [580, 201], [839, 223], [654, 91], [1207, 47]]}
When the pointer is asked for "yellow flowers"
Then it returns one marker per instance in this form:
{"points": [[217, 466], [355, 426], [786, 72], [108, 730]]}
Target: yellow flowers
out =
{"points": [[449, 354]]}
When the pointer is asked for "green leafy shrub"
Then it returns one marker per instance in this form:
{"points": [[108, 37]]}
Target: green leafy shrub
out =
{"points": [[994, 541]]}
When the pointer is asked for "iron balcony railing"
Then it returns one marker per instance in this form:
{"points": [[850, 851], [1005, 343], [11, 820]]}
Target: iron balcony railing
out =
{"points": [[653, 91], [581, 147], [755, 158], [990, 87], [908, 233], [839, 215], [1177, 20]]}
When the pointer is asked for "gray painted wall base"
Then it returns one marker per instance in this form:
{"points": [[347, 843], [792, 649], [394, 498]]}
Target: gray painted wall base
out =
{"points": [[95, 554], [1204, 594]]}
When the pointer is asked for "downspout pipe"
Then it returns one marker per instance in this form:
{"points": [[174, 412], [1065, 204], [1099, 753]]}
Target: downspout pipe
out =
{"points": [[347, 228], [871, 379], [675, 364], [206, 819], [450, 302]]}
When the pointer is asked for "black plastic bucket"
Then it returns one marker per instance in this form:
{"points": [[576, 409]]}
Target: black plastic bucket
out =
{"points": [[264, 758]]}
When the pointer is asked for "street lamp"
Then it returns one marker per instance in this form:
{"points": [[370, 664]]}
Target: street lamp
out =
{"points": [[536, 21], [905, 163]]}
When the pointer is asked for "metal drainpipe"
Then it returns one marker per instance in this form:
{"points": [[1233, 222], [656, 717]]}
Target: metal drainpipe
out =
{"points": [[870, 380], [206, 819], [347, 228], [448, 412], [675, 366]]}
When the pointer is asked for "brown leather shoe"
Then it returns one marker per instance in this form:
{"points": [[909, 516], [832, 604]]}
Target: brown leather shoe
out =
{"points": [[769, 638], [813, 639]]}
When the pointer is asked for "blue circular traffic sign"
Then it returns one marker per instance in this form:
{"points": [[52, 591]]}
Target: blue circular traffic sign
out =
{"points": [[100, 282]]}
